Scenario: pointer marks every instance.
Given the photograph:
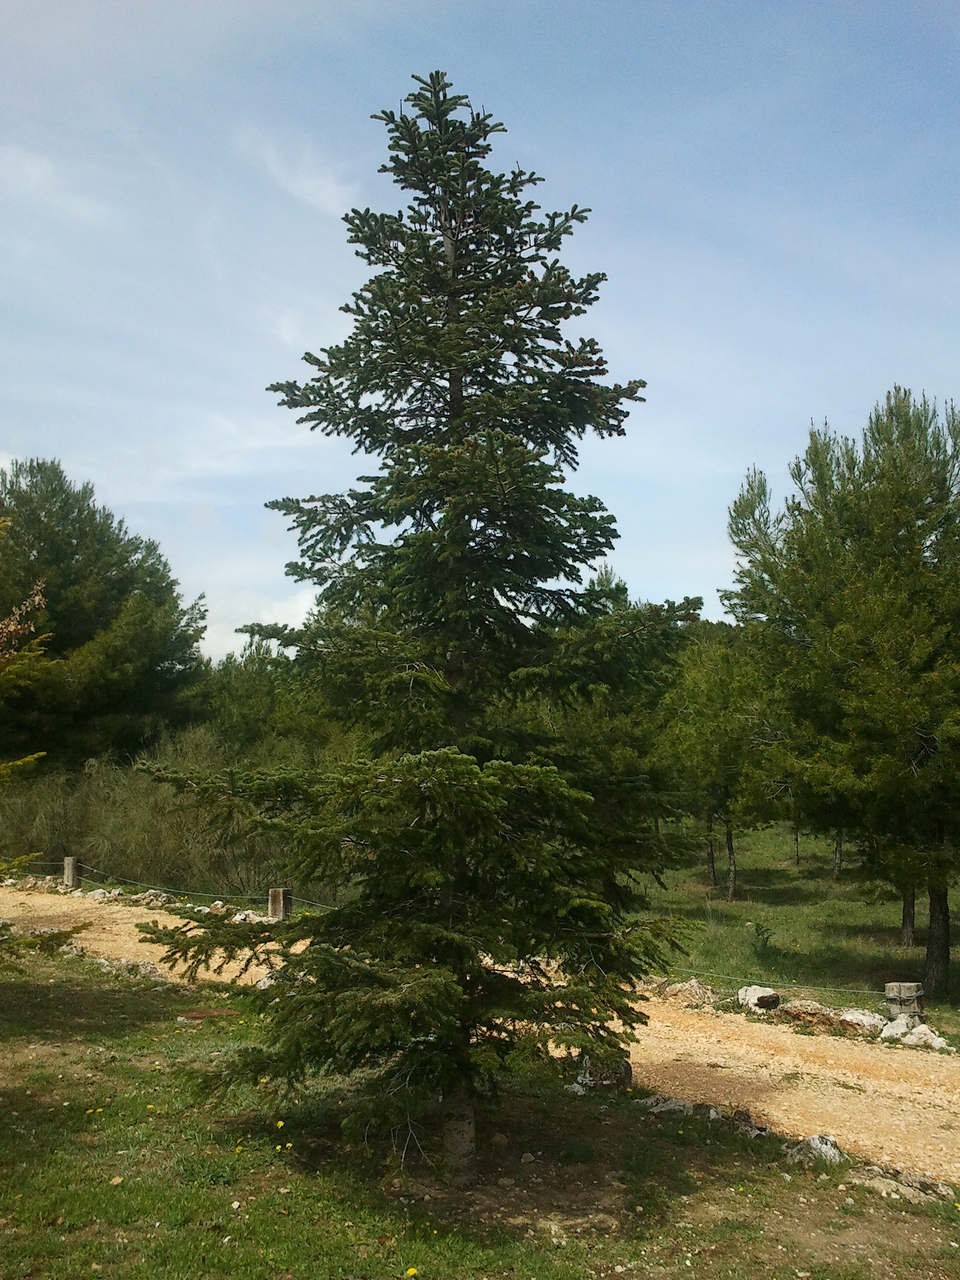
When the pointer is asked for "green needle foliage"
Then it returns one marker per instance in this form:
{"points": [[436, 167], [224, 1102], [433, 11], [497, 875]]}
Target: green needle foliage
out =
{"points": [[853, 592], [21, 653], [122, 649], [479, 903], [21, 662]]}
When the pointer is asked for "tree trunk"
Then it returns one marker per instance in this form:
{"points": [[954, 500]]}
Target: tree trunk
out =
{"points": [[796, 844], [459, 1139], [937, 970], [731, 864], [838, 854], [908, 918], [711, 852]]}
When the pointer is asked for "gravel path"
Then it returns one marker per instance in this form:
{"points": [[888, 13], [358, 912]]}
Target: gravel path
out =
{"points": [[112, 930], [890, 1105]]}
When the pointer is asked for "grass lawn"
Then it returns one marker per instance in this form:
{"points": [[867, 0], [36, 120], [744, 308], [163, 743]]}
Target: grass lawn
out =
{"points": [[798, 925], [107, 1169]]}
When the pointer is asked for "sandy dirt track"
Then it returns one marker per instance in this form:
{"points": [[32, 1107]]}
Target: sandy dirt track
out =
{"points": [[890, 1105], [112, 931]]}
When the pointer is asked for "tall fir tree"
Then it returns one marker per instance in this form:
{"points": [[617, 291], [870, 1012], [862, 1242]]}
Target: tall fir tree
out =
{"points": [[481, 903]]}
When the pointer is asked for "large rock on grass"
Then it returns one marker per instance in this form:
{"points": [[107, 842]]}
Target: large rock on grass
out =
{"points": [[862, 1021], [819, 1146], [760, 999]]}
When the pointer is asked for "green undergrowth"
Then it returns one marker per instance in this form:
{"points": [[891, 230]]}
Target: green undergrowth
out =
{"points": [[109, 1167], [836, 940]]}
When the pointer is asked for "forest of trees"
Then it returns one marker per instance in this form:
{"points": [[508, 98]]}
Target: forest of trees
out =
{"points": [[478, 748]]}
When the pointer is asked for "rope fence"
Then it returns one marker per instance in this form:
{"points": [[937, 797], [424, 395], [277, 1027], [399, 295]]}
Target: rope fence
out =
{"points": [[792, 986], [279, 901], [280, 905]]}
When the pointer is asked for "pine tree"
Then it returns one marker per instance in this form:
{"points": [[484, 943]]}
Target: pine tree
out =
{"points": [[480, 905], [856, 585], [122, 647], [716, 723], [21, 662], [21, 653]]}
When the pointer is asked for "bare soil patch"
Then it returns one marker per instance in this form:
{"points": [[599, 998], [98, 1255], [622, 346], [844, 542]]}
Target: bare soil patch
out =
{"points": [[890, 1105]]}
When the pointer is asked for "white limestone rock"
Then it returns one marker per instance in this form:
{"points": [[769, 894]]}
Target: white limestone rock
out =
{"points": [[819, 1146], [924, 1037], [862, 1021], [758, 998], [896, 1030]]}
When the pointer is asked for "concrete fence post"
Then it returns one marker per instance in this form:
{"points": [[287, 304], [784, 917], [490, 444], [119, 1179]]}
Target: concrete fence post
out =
{"points": [[280, 904], [71, 876], [904, 998]]}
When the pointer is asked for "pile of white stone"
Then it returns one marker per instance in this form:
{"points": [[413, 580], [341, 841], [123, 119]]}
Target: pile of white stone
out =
{"points": [[906, 1027], [42, 884]]}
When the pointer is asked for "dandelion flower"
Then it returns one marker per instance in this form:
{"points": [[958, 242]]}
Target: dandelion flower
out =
{"points": [[410, 1271], [280, 1124]]}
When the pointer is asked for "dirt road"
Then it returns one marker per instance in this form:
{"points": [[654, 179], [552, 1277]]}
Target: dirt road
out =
{"points": [[112, 925], [894, 1106], [890, 1105]]}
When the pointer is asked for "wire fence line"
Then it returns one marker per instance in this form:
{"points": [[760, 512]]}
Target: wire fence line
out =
{"points": [[181, 893], [793, 986], [309, 902], [86, 871]]}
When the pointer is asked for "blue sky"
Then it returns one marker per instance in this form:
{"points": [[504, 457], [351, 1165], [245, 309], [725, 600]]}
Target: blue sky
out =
{"points": [[774, 189]]}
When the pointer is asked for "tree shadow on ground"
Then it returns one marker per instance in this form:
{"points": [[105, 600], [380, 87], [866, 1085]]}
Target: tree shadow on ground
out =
{"points": [[32, 1130], [874, 965], [777, 887], [883, 934], [753, 886], [78, 1004], [550, 1165]]}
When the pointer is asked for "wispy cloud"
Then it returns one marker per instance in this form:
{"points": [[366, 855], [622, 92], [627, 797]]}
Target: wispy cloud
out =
{"points": [[236, 609], [35, 178], [298, 170]]}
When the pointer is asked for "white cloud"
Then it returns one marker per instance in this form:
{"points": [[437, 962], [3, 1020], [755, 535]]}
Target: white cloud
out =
{"points": [[227, 612], [34, 177], [298, 170], [310, 327], [198, 456]]}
